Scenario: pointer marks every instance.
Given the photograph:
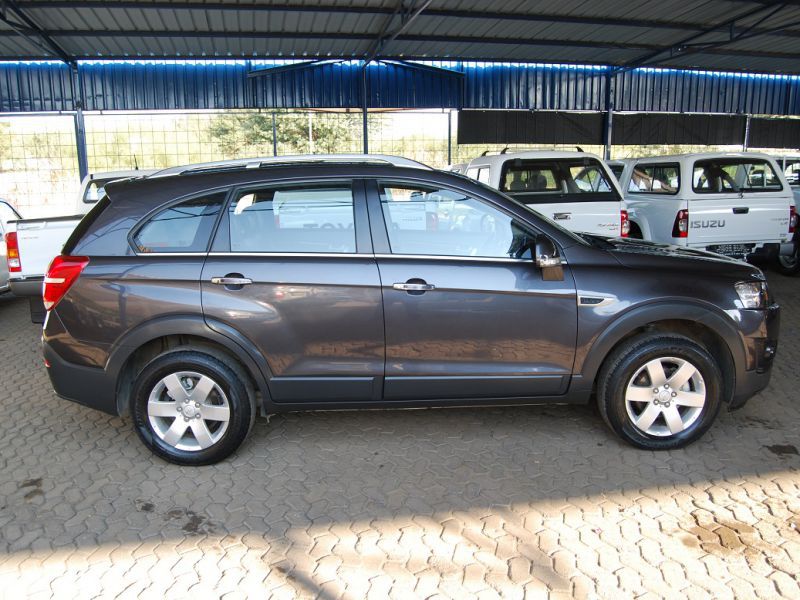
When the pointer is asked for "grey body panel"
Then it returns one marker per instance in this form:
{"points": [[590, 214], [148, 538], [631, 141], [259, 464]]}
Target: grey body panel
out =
{"points": [[331, 332]]}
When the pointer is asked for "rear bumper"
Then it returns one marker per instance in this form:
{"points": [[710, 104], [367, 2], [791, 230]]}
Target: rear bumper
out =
{"points": [[89, 386], [772, 251], [761, 348], [30, 286]]}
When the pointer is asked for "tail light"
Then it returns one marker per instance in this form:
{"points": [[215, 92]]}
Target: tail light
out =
{"points": [[12, 253], [624, 223], [792, 219], [63, 272], [681, 227]]}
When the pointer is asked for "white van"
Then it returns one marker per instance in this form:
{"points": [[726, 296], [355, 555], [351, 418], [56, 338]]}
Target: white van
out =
{"points": [[575, 189], [736, 204]]}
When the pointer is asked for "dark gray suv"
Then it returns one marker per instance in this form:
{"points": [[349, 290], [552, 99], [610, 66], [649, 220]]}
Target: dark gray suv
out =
{"points": [[194, 301]]}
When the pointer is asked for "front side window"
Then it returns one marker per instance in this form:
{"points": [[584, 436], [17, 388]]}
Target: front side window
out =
{"points": [[734, 175], [443, 222], [184, 227], [655, 179], [571, 179], [304, 218]]}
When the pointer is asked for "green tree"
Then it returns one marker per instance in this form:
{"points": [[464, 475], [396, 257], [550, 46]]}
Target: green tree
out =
{"points": [[240, 134]]}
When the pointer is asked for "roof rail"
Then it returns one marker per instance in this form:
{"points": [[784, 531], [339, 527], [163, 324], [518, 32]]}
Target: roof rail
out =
{"points": [[259, 162]]}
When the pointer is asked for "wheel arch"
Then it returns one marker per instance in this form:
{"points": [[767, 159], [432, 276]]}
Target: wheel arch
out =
{"points": [[142, 344], [696, 322]]}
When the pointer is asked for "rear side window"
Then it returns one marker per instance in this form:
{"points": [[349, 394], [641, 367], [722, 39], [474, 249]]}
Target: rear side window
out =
{"points": [[307, 218], [184, 227], [655, 179], [722, 175]]}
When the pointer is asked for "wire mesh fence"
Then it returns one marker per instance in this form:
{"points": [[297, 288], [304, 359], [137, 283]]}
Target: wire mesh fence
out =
{"points": [[39, 165]]}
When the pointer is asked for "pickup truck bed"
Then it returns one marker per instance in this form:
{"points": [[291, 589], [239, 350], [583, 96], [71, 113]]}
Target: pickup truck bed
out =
{"points": [[39, 241]]}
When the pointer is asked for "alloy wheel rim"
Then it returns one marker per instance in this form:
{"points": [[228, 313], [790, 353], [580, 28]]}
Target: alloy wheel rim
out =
{"points": [[188, 411], [665, 396]]}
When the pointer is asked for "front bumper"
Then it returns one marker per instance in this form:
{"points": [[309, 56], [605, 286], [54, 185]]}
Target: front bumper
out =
{"points": [[761, 345]]}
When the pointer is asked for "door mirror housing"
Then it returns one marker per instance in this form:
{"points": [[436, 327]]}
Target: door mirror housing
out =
{"points": [[548, 260]]}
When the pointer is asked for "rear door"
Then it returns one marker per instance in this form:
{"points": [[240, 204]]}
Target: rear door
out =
{"points": [[292, 270], [737, 200], [577, 193], [465, 318]]}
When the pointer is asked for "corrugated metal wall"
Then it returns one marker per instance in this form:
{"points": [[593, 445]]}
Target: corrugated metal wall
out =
{"points": [[160, 85]]}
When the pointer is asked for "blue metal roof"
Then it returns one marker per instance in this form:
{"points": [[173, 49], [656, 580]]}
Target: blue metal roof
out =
{"points": [[224, 84]]}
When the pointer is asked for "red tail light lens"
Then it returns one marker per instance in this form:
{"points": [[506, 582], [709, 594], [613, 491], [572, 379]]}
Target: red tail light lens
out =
{"points": [[12, 253], [681, 227], [624, 223], [63, 272], [792, 219]]}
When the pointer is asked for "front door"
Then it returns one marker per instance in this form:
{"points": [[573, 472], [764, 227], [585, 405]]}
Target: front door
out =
{"points": [[465, 319], [292, 270]]}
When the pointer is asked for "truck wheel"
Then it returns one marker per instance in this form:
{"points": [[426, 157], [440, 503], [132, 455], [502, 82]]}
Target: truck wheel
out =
{"points": [[191, 408], [789, 265], [659, 391]]}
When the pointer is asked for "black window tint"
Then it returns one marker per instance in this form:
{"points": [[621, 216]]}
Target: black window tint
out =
{"points": [[734, 175], [184, 227], [441, 222], [655, 179], [308, 218]]}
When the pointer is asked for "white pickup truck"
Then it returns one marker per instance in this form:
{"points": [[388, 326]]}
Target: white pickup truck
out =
{"points": [[789, 264], [37, 241], [736, 204], [7, 214], [575, 189]]}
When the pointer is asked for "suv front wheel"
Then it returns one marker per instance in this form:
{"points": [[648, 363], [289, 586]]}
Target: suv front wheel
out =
{"points": [[660, 391], [191, 408]]}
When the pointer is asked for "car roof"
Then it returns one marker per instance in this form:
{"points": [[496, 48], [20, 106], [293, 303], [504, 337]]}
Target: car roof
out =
{"points": [[692, 156], [494, 159], [120, 174]]}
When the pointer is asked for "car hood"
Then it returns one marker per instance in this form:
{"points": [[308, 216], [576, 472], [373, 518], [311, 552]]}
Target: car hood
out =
{"points": [[639, 253]]}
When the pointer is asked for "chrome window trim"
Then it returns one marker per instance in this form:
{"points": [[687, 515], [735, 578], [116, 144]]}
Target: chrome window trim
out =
{"points": [[460, 258], [295, 254]]}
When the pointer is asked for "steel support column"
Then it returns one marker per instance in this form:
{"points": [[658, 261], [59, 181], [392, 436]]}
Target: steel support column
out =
{"points": [[746, 141], [364, 112], [608, 130], [80, 126]]}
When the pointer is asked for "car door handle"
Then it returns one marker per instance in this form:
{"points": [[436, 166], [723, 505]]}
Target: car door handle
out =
{"points": [[741, 210], [231, 281], [411, 286]]}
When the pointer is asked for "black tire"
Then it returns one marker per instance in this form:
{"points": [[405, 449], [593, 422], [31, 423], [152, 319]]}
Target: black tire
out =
{"points": [[789, 265], [231, 381], [624, 362]]}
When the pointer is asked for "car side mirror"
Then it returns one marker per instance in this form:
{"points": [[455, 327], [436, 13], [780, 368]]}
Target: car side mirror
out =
{"points": [[548, 260]]}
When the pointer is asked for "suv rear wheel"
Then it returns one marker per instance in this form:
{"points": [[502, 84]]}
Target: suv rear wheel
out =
{"points": [[191, 408], [660, 391]]}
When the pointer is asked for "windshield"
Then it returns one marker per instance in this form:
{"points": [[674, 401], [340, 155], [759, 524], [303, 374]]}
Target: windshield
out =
{"points": [[535, 181]]}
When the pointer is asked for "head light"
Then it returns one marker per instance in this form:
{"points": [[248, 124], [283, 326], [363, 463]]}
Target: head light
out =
{"points": [[753, 294]]}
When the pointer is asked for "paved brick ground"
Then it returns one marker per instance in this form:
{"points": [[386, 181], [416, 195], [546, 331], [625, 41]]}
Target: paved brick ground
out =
{"points": [[531, 502]]}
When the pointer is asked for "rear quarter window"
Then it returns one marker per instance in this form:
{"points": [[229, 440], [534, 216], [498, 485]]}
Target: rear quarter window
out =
{"points": [[182, 227]]}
